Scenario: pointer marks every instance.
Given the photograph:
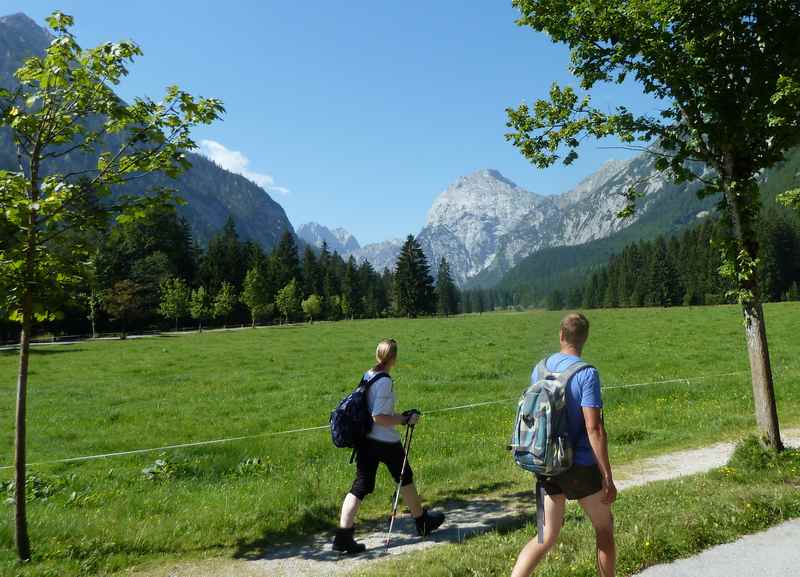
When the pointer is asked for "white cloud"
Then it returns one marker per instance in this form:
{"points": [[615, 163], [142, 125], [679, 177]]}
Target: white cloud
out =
{"points": [[236, 162]]}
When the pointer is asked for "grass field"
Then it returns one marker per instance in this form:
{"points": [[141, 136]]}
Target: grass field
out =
{"points": [[100, 397]]}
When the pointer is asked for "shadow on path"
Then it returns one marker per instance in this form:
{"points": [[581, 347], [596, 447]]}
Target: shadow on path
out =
{"points": [[465, 518]]}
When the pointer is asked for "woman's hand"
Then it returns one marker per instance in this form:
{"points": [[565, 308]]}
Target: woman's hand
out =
{"points": [[412, 417]]}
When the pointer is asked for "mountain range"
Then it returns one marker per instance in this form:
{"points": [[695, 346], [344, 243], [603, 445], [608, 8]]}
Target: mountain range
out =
{"points": [[485, 225]]}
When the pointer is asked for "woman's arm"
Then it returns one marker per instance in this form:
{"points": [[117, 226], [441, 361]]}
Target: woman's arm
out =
{"points": [[390, 420]]}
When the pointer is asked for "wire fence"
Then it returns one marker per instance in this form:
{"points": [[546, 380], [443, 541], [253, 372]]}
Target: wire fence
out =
{"points": [[297, 431]]}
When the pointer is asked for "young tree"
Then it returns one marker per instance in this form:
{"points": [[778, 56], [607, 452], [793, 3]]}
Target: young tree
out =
{"points": [[288, 300], [414, 292], [63, 104], [727, 77], [200, 306], [174, 299], [446, 291], [333, 306], [312, 307], [224, 301], [123, 303], [255, 293]]}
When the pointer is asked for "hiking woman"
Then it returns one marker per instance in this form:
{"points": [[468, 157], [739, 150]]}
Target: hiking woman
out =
{"points": [[382, 445]]}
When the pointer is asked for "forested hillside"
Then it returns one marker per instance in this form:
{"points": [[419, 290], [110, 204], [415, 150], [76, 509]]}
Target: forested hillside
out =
{"points": [[213, 194], [567, 268]]}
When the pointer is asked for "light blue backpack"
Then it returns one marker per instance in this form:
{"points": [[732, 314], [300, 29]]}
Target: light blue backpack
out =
{"points": [[540, 441]]}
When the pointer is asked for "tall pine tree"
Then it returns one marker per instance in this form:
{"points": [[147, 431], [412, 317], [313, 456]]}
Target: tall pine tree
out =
{"points": [[285, 262], [446, 291], [414, 294]]}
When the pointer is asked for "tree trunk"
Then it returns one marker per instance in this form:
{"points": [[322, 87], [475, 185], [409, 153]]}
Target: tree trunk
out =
{"points": [[93, 313], [21, 519], [740, 196], [761, 374]]}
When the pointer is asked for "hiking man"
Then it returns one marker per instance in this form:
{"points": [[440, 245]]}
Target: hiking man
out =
{"points": [[383, 445], [589, 480]]}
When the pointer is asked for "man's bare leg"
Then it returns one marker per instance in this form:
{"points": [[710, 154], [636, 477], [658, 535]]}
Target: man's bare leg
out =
{"points": [[599, 514], [534, 552]]}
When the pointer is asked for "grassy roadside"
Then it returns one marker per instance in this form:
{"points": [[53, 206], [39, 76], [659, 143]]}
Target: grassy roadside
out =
{"points": [[656, 523]]}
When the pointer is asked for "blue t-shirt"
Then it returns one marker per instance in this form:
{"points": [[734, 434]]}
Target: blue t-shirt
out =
{"points": [[583, 391]]}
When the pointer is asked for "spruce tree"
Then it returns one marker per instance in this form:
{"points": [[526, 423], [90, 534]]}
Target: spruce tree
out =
{"points": [[312, 280], [224, 260], [555, 302], [285, 261], [446, 291], [351, 290], [414, 293]]}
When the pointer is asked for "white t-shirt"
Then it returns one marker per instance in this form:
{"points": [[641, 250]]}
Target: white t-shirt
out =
{"points": [[380, 400]]}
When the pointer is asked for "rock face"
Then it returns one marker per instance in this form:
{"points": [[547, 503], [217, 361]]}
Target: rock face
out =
{"points": [[484, 222], [212, 193], [381, 255], [338, 239]]}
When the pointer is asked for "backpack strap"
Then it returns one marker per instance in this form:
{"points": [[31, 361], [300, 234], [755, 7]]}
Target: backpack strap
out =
{"points": [[565, 376], [541, 370], [540, 520], [367, 383]]}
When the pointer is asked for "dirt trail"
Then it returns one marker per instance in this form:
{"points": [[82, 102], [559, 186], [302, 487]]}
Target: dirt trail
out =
{"points": [[314, 558]]}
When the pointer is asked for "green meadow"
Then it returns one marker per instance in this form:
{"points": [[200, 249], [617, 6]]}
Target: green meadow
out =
{"points": [[235, 498]]}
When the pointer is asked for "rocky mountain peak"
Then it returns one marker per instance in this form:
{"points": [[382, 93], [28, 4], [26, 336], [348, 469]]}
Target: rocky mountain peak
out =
{"points": [[484, 192], [338, 239], [21, 28], [19, 19]]}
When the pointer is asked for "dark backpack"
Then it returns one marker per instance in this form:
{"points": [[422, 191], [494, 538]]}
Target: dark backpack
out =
{"points": [[351, 420]]}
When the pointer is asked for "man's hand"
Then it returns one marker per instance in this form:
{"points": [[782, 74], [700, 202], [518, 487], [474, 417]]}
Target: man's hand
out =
{"points": [[412, 416], [609, 491]]}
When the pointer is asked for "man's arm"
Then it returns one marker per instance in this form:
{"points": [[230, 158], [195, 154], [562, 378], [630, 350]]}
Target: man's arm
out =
{"points": [[598, 439]]}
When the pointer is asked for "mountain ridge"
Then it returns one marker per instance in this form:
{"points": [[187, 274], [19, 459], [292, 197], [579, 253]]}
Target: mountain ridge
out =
{"points": [[213, 194]]}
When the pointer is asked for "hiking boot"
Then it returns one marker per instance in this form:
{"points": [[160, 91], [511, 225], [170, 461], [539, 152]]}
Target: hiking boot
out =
{"points": [[343, 542], [428, 522]]}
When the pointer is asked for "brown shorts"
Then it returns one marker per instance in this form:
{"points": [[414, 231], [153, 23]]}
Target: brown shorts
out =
{"points": [[578, 482]]}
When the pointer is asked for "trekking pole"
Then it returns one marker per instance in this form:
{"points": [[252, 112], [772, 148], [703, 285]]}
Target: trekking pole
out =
{"points": [[406, 449]]}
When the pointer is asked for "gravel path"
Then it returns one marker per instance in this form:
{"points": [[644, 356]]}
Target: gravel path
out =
{"points": [[314, 557]]}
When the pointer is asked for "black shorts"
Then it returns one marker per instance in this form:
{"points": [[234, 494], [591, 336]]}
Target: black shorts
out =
{"points": [[371, 454], [578, 482]]}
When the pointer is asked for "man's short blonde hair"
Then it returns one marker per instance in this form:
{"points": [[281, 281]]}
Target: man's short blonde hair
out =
{"points": [[575, 329], [386, 351]]}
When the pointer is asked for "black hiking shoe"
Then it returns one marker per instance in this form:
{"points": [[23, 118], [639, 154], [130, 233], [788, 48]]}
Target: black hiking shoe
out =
{"points": [[343, 542], [428, 522]]}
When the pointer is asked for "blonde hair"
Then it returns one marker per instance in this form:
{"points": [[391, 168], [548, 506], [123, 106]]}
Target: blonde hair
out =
{"points": [[575, 329], [386, 351]]}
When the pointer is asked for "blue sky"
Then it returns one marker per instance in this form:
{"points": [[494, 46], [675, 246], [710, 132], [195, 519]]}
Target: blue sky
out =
{"points": [[351, 113]]}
